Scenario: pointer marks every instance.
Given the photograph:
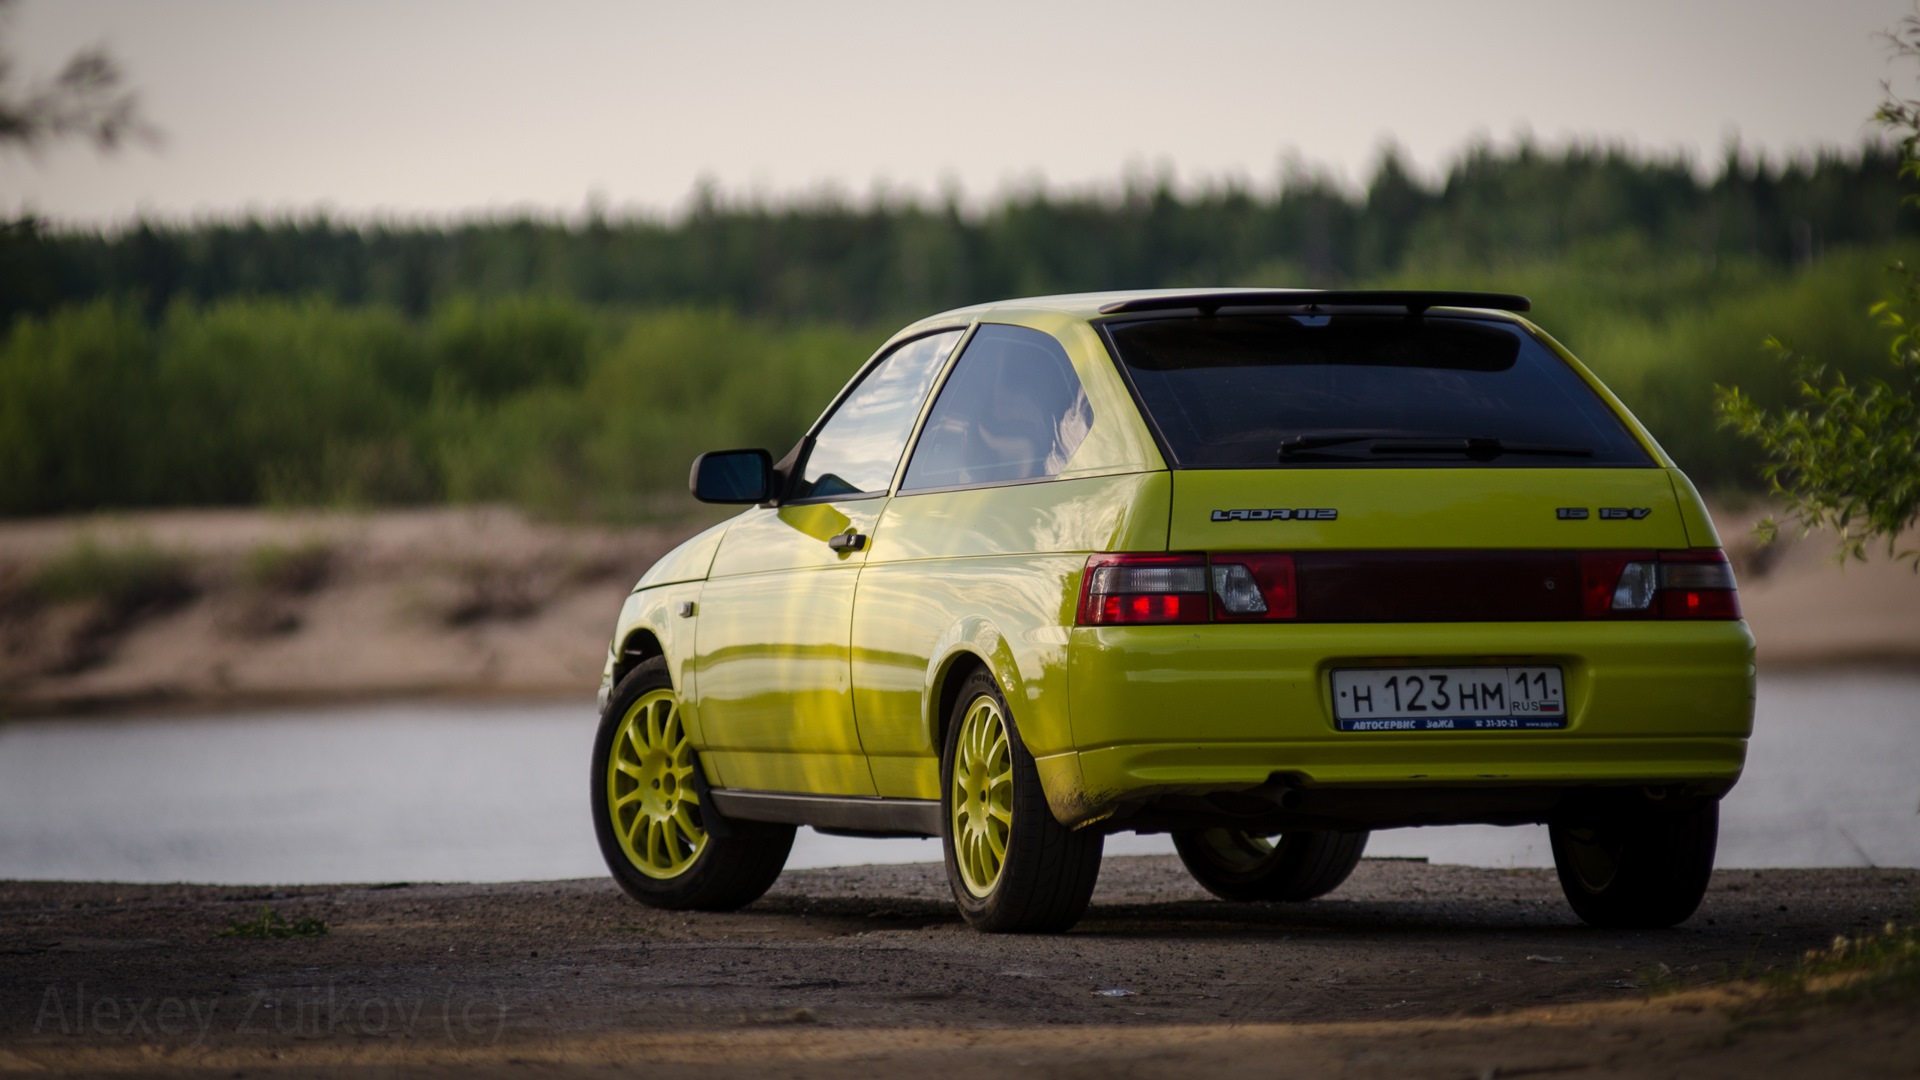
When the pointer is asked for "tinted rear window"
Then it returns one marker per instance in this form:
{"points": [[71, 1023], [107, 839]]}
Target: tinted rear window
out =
{"points": [[1236, 391]]}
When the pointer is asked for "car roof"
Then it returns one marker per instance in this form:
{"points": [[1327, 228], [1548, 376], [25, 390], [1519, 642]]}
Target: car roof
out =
{"points": [[1095, 305]]}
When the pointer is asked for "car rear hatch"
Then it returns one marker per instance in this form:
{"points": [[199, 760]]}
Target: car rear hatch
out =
{"points": [[1400, 522], [1413, 466]]}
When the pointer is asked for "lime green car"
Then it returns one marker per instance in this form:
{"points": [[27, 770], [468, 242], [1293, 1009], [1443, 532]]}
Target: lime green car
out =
{"points": [[1264, 570]]}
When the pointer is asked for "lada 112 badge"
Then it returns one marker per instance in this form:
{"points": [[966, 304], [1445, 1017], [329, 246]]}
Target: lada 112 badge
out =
{"points": [[1275, 515]]}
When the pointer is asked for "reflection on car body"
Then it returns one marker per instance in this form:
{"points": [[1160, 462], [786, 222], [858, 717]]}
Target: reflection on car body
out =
{"points": [[1054, 568]]}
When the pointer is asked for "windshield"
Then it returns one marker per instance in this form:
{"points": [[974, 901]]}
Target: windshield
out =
{"points": [[1359, 390]]}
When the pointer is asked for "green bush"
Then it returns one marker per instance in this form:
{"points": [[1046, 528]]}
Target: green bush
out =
{"points": [[78, 420], [134, 576], [272, 401], [498, 348], [617, 445], [1666, 371]]}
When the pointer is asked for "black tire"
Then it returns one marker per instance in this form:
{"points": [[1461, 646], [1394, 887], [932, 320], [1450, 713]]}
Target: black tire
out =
{"points": [[1637, 871], [1045, 877], [732, 862], [1234, 865]]}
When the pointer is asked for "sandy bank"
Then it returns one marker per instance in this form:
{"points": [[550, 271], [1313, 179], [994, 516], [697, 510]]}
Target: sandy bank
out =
{"points": [[486, 603]]}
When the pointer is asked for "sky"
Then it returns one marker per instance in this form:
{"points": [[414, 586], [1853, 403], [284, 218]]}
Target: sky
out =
{"points": [[449, 108]]}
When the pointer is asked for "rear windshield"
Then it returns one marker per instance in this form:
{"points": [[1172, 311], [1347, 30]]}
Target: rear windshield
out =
{"points": [[1347, 390]]}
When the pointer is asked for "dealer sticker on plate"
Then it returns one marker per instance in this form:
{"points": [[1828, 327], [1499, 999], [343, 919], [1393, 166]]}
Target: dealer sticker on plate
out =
{"points": [[1449, 699]]}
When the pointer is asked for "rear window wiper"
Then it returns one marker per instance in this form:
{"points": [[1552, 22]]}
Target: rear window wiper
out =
{"points": [[1470, 446], [1301, 443]]}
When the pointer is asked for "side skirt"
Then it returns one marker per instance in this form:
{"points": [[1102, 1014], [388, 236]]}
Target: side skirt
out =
{"points": [[858, 815]]}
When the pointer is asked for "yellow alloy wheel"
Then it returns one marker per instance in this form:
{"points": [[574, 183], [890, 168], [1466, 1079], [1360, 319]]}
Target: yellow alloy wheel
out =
{"points": [[982, 795], [650, 792]]}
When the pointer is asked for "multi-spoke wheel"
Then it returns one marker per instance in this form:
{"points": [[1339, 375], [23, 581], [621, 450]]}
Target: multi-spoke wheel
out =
{"points": [[982, 795], [1011, 866], [664, 846], [1636, 870], [650, 795], [1235, 865]]}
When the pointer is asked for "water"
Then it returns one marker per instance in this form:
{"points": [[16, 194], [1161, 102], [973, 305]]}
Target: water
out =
{"points": [[413, 792]]}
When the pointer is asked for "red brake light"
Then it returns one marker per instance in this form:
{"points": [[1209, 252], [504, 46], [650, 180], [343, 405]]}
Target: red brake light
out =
{"points": [[1144, 589], [1697, 585]]}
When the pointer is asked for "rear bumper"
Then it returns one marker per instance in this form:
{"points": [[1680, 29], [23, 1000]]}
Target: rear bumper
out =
{"points": [[1159, 711]]}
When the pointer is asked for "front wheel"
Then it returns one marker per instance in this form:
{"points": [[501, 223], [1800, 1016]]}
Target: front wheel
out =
{"points": [[1638, 871], [1011, 866], [1235, 865], [666, 848]]}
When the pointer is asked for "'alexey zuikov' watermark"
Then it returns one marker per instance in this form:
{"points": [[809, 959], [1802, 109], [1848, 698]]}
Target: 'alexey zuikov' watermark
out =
{"points": [[457, 1017]]}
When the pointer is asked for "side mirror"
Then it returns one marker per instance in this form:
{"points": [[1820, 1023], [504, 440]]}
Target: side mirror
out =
{"points": [[732, 476]]}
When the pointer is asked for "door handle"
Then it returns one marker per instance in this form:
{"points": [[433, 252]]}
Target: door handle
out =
{"points": [[848, 541]]}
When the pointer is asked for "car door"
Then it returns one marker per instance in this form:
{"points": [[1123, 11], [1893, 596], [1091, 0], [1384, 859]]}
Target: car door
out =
{"points": [[773, 689], [979, 549]]}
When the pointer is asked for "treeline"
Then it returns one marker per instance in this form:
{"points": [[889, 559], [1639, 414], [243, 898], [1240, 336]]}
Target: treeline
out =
{"points": [[864, 265], [567, 411], [576, 370], [575, 410]]}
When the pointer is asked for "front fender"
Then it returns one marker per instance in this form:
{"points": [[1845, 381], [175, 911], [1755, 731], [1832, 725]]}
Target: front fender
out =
{"points": [[690, 561], [651, 622]]}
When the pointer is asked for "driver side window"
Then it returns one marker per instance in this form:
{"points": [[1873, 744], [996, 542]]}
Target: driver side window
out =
{"points": [[860, 445]]}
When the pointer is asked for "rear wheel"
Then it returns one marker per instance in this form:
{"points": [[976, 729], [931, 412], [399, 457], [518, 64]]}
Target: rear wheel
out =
{"points": [[1235, 865], [666, 848], [1636, 871], [1011, 866]]}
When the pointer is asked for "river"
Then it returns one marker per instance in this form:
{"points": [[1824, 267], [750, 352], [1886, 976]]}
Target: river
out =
{"points": [[497, 792]]}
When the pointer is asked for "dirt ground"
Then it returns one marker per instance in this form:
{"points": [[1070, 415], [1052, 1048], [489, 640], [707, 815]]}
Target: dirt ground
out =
{"points": [[1409, 970], [483, 602]]}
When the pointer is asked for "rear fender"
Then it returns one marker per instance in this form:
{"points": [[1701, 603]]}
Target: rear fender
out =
{"points": [[973, 638]]}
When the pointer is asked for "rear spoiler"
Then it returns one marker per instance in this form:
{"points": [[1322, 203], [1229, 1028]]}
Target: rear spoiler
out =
{"points": [[1414, 300]]}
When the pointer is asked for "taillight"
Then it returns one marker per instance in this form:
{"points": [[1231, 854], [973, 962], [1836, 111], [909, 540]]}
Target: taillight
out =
{"points": [[1610, 580], [1697, 585], [1667, 584], [1250, 588], [1411, 586], [1143, 589], [1138, 589]]}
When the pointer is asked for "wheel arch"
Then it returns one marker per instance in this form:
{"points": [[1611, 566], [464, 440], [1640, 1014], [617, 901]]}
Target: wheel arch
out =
{"points": [[640, 645], [945, 693], [971, 644]]}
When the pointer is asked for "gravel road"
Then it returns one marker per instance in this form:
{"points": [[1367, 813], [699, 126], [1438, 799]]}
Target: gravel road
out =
{"points": [[1426, 965]]}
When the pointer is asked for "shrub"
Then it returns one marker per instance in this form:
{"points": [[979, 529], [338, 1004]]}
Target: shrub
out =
{"points": [[133, 578]]}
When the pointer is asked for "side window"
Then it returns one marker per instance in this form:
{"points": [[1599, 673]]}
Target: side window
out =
{"points": [[1012, 410], [858, 448]]}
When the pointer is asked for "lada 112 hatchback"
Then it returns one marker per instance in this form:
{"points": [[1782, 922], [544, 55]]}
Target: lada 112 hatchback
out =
{"points": [[1264, 570]]}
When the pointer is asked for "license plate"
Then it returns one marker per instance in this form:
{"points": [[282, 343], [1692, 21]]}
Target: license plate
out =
{"points": [[1449, 699]]}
